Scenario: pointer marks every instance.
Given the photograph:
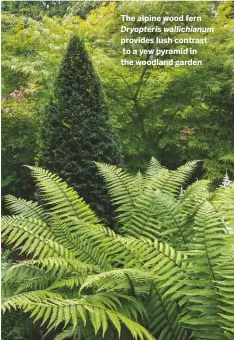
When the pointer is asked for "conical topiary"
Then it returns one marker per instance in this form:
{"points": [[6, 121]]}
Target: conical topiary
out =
{"points": [[77, 130]]}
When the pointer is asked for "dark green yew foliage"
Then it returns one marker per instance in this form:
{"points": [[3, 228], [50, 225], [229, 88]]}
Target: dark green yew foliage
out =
{"points": [[77, 130]]}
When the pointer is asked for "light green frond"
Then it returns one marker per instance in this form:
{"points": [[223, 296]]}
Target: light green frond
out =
{"points": [[76, 280], [139, 182], [202, 293], [21, 301], [225, 285], [26, 208], [223, 200], [18, 272], [89, 244], [173, 228], [33, 236], [123, 188], [155, 216], [56, 265], [100, 310], [52, 272], [153, 169], [134, 282], [171, 269], [62, 200], [161, 259], [94, 244], [35, 283], [65, 334], [164, 316], [97, 245], [25, 277], [143, 220], [191, 199], [159, 180], [178, 178]]}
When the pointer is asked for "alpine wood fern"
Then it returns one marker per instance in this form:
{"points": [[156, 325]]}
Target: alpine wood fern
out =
{"points": [[168, 273]]}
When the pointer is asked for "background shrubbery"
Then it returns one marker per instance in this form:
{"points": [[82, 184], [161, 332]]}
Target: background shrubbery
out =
{"points": [[173, 114]]}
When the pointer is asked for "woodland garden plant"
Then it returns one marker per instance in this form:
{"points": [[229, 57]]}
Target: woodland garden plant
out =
{"points": [[167, 273], [104, 254]]}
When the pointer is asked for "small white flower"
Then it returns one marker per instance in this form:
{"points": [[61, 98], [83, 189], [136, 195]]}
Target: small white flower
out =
{"points": [[226, 181]]}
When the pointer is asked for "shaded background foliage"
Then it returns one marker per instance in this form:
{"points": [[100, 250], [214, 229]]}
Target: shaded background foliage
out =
{"points": [[175, 114]]}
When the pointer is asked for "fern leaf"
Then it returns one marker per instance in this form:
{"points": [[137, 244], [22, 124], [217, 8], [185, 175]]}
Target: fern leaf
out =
{"points": [[164, 316], [25, 277], [65, 334], [205, 249], [170, 182], [155, 216], [54, 310], [153, 169], [62, 200], [225, 286], [191, 199], [134, 282], [123, 188], [33, 235], [159, 258], [26, 208], [223, 200], [179, 177]]}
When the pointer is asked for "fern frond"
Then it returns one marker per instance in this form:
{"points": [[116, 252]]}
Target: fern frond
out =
{"points": [[192, 198], [143, 220], [123, 188], [56, 265], [99, 309], [225, 286], [132, 281], [97, 245], [175, 256], [170, 182], [25, 277], [26, 208], [94, 244], [69, 282], [203, 294], [33, 235], [62, 200], [223, 200], [21, 301], [52, 273], [164, 316], [139, 182], [65, 334], [155, 216], [152, 169], [161, 259]]}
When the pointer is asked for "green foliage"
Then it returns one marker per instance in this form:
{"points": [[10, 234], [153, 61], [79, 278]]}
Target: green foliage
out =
{"points": [[166, 274], [36, 9], [185, 112], [77, 129], [31, 53], [18, 146], [176, 114], [15, 324]]}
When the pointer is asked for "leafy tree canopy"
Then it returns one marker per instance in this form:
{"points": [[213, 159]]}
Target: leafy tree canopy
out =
{"points": [[184, 112]]}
